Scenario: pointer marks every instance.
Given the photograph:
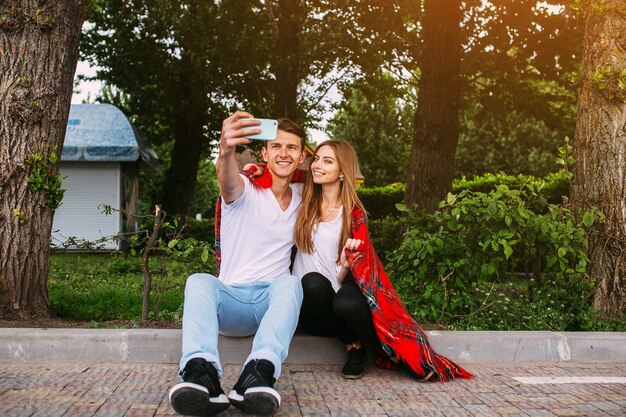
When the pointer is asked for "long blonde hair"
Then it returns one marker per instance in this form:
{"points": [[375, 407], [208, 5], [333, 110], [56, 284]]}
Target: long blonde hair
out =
{"points": [[311, 211]]}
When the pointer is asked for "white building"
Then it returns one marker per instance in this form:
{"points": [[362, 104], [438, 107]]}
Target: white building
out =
{"points": [[102, 155]]}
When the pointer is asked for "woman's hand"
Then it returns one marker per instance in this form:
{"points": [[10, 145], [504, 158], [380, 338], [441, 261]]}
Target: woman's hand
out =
{"points": [[258, 170], [351, 245]]}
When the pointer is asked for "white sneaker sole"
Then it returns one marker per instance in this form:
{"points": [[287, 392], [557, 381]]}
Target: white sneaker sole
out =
{"points": [[194, 400], [257, 400]]}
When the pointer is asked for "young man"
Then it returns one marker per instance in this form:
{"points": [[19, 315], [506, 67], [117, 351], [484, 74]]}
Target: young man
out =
{"points": [[255, 292]]}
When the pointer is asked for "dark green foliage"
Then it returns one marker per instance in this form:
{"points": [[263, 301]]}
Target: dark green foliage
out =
{"points": [[376, 118], [489, 261], [202, 230], [552, 188], [381, 201], [207, 190], [518, 65], [387, 233], [177, 239], [513, 143], [45, 176]]}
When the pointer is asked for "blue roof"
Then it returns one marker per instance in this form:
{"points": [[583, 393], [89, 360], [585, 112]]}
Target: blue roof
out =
{"points": [[101, 132]]}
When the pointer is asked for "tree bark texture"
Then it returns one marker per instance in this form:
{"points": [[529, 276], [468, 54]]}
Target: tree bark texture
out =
{"points": [[189, 143], [288, 62], [600, 150], [436, 126], [182, 175], [38, 56]]}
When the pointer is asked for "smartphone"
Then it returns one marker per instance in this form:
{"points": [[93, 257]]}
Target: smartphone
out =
{"points": [[268, 127]]}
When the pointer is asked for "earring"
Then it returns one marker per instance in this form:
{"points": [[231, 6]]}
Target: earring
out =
{"points": [[341, 178]]}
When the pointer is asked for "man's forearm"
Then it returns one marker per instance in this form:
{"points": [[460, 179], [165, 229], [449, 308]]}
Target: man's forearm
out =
{"points": [[228, 177]]}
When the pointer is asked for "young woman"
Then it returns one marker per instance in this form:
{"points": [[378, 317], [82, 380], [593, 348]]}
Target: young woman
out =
{"points": [[346, 291], [333, 303]]}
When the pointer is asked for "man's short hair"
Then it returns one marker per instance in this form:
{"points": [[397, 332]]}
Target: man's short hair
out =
{"points": [[290, 126]]}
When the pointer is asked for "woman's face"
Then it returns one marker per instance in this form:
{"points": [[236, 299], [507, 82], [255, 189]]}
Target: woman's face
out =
{"points": [[325, 168]]}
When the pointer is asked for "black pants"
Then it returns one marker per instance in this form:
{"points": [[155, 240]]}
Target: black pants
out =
{"points": [[344, 314]]}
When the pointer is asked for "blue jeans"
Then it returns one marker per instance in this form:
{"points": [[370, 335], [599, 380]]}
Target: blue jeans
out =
{"points": [[269, 309]]}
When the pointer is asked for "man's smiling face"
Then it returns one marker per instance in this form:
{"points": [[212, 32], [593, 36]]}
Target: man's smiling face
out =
{"points": [[283, 154]]}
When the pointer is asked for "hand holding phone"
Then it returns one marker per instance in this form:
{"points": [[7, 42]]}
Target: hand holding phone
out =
{"points": [[269, 128]]}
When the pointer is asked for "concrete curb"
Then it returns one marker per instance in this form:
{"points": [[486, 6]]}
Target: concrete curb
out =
{"points": [[164, 345]]}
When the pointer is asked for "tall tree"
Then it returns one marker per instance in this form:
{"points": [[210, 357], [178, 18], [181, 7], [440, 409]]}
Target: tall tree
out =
{"points": [[179, 64], [600, 149], [38, 55], [516, 57], [435, 126]]}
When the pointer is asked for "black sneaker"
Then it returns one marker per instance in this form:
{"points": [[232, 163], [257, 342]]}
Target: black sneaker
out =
{"points": [[200, 393], [355, 365], [254, 392]]}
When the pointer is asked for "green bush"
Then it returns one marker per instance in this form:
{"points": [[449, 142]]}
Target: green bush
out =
{"points": [[381, 201], [552, 187], [386, 234], [202, 230], [487, 261]]}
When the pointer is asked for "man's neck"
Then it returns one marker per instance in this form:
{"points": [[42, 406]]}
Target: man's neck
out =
{"points": [[282, 191]]}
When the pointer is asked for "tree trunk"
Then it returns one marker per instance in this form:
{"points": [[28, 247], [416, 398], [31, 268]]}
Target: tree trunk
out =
{"points": [[287, 64], [182, 176], [600, 151], [189, 143], [38, 56], [436, 126]]}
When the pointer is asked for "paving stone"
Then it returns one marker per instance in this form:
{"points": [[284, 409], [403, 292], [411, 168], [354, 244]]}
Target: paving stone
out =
{"points": [[140, 389], [429, 413], [564, 412], [539, 413]]}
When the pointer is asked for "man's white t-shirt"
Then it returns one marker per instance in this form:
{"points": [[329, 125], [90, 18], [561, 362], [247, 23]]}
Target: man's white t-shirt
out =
{"points": [[323, 258], [256, 235]]}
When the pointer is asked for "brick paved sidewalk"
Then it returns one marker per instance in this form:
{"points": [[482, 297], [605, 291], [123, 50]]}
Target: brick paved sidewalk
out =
{"points": [[140, 389]]}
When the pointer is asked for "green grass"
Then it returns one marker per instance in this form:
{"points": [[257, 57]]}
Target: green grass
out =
{"points": [[107, 286], [100, 287]]}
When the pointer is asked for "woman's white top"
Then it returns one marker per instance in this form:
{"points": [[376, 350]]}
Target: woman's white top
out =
{"points": [[323, 258]]}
